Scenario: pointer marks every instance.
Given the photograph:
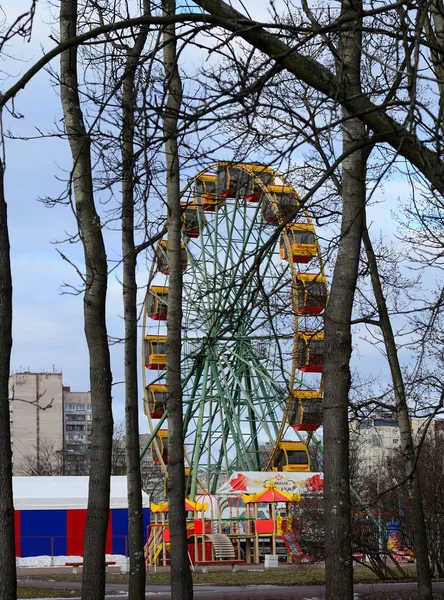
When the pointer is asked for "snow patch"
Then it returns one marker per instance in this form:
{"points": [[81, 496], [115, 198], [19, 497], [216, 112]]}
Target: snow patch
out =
{"points": [[59, 561]]}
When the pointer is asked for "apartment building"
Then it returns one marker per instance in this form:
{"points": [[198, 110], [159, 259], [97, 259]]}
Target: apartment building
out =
{"points": [[50, 425], [373, 438], [51, 430], [36, 416], [77, 428]]}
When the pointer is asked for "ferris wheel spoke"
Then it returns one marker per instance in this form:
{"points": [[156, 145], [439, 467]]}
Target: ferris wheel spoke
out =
{"points": [[264, 415], [225, 423], [230, 226], [268, 398], [229, 394], [237, 258], [265, 373], [189, 401], [195, 456], [271, 406], [252, 417]]}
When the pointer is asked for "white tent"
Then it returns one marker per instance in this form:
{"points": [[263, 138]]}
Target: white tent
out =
{"points": [[59, 493]]}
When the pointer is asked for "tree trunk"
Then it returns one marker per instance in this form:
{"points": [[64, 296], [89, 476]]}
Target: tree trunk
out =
{"points": [[94, 315], [405, 431], [181, 580], [136, 583], [338, 342], [8, 579], [434, 29]]}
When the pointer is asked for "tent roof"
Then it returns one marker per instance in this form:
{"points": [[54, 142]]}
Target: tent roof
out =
{"points": [[58, 493], [271, 494], [189, 506]]}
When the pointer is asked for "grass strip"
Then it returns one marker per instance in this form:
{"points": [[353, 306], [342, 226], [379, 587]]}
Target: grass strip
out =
{"points": [[293, 575], [31, 592]]}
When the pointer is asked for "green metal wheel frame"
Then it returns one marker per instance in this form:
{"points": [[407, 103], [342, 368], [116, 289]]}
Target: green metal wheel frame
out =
{"points": [[240, 326]]}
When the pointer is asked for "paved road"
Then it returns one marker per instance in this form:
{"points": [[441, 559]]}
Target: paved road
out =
{"points": [[116, 591]]}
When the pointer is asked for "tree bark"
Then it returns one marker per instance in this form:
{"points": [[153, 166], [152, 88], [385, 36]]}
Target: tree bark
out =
{"points": [[8, 579], [181, 580], [136, 583], [434, 29], [94, 305], [338, 341], [423, 572]]}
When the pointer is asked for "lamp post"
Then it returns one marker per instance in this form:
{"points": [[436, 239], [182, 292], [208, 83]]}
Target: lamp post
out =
{"points": [[380, 438]]}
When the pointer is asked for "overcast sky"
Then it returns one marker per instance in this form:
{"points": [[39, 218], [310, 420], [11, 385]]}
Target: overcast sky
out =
{"points": [[48, 324]]}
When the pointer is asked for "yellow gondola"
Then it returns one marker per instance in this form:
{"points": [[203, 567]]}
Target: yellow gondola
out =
{"points": [[162, 442], [235, 182], [310, 351], [157, 307], [311, 293], [285, 206], [162, 258], [292, 457], [157, 400], [205, 193], [192, 225], [155, 352], [305, 412], [301, 237]]}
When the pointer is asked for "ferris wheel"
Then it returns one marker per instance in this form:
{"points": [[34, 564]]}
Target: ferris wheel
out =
{"points": [[254, 290]]}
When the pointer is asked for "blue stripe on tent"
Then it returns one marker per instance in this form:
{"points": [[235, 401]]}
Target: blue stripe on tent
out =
{"points": [[43, 532], [120, 530], [146, 522]]}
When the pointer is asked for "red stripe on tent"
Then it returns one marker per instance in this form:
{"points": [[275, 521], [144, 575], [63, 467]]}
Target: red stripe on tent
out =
{"points": [[75, 527], [17, 532], [109, 534]]}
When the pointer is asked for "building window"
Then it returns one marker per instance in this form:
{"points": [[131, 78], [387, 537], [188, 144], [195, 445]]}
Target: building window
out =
{"points": [[395, 440]]}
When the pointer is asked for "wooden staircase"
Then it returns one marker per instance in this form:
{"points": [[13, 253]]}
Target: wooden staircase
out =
{"points": [[153, 547], [222, 546]]}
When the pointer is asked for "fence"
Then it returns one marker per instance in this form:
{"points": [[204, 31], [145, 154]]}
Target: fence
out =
{"points": [[28, 546]]}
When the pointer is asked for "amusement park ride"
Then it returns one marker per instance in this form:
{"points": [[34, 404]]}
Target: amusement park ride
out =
{"points": [[254, 291]]}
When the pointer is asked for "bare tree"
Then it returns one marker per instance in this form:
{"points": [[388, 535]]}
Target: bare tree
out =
{"points": [[20, 28], [338, 342], [181, 580], [8, 582], [407, 443], [136, 590], [96, 279], [49, 462]]}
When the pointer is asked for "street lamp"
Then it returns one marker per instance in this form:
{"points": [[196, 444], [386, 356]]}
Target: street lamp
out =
{"points": [[379, 436]]}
